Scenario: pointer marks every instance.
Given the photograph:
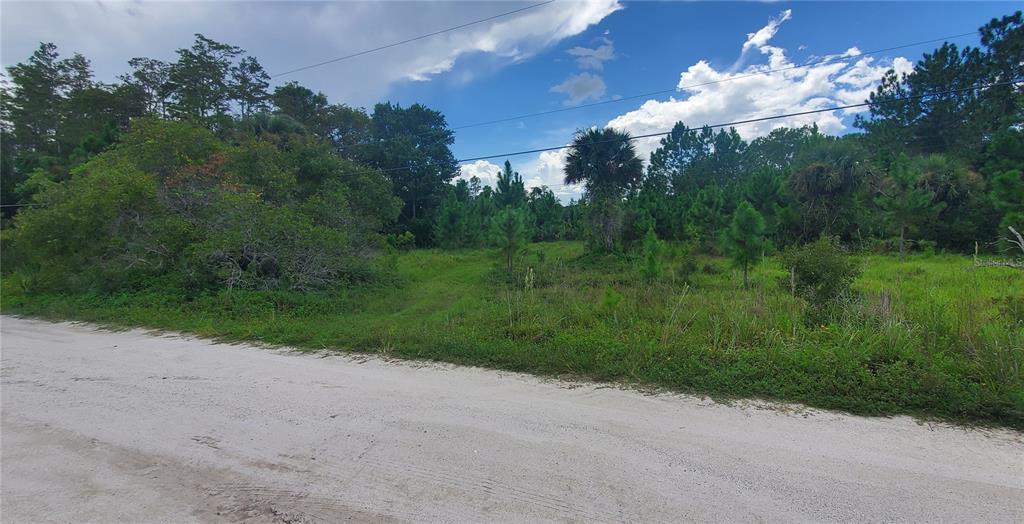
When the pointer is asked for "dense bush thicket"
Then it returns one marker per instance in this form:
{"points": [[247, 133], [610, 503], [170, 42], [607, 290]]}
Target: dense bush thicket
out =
{"points": [[172, 202]]}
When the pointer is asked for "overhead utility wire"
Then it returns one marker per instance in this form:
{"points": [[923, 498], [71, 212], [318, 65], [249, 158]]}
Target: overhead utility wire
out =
{"points": [[663, 133], [691, 86], [727, 124], [413, 39], [667, 91]]}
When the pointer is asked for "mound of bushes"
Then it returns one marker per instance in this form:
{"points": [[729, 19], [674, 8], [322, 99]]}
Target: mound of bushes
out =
{"points": [[172, 203]]}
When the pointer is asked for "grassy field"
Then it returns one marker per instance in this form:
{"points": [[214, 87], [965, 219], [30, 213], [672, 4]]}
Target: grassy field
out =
{"points": [[930, 336]]}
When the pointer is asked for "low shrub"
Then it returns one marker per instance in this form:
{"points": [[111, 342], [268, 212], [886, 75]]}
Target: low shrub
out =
{"points": [[820, 272]]}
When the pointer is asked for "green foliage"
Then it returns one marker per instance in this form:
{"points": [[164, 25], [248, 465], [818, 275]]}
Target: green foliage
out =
{"points": [[259, 123], [98, 231], [411, 146], [691, 159], [653, 267], [821, 272], [162, 148], [765, 190], [466, 215], [172, 202], [708, 216], [509, 234], [605, 162], [1008, 197], [905, 203], [824, 186], [403, 241], [804, 184], [260, 164], [258, 246], [248, 86], [54, 117], [959, 122], [610, 301], [346, 128], [925, 336], [547, 214], [450, 228], [744, 240], [509, 190], [686, 267], [201, 82]]}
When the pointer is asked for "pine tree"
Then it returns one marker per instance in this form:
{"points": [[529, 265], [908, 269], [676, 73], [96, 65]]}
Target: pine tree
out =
{"points": [[744, 239], [248, 87], [653, 247], [904, 203], [764, 190], [508, 232], [509, 191], [707, 215], [1008, 197], [200, 81], [481, 213], [450, 223]]}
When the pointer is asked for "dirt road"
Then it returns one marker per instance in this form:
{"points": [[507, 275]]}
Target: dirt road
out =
{"points": [[101, 426]]}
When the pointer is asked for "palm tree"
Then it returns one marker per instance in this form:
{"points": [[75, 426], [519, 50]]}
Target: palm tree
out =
{"points": [[605, 161], [824, 185]]}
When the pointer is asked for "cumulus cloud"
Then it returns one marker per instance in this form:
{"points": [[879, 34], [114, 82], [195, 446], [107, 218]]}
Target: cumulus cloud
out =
{"points": [[581, 87], [288, 35], [482, 169], [548, 170], [709, 96], [544, 170], [593, 58], [712, 96]]}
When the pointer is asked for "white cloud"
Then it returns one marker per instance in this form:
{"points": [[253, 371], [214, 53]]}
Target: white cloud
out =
{"points": [[762, 36], [515, 38], [544, 170], [548, 170], [288, 35], [712, 96], [482, 169], [581, 87], [593, 58], [587, 86]]}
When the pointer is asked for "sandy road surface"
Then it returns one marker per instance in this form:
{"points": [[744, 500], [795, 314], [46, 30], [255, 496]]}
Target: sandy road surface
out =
{"points": [[100, 426]]}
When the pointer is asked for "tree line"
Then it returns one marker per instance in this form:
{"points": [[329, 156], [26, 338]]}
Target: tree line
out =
{"points": [[925, 172], [196, 170], [55, 116]]}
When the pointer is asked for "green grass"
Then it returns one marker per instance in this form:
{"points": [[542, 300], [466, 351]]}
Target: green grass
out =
{"points": [[931, 336]]}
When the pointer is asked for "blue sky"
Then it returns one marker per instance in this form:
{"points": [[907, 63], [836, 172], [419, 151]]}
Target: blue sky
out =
{"points": [[555, 56]]}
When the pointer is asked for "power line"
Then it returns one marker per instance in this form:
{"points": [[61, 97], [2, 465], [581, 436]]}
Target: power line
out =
{"points": [[822, 61], [726, 124], [738, 77], [413, 39]]}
